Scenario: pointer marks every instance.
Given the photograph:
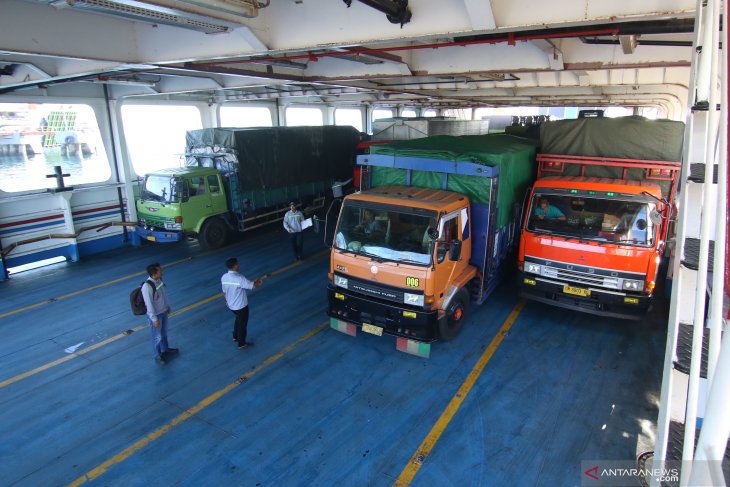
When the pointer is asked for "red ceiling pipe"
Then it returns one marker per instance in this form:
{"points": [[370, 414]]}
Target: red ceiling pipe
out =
{"points": [[510, 38]]}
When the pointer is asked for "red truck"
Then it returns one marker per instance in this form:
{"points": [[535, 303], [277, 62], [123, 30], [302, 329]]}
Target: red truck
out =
{"points": [[595, 228]]}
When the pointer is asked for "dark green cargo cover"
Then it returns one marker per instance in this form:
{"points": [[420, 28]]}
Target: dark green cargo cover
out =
{"points": [[624, 137], [514, 156], [276, 157]]}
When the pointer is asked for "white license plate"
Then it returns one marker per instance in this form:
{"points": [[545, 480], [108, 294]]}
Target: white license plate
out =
{"points": [[375, 330], [577, 291]]}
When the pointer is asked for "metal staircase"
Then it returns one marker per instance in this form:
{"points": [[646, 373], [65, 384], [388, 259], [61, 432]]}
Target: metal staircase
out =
{"points": [[695, 395]]}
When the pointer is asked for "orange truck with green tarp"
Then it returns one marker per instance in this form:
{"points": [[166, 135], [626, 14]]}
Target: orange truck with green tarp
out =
{"points": [[427, 236], [597, 222]]}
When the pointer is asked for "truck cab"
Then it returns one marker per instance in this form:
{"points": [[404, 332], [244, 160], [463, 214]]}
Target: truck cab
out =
{"points": [[400, 263], [174, 203]]}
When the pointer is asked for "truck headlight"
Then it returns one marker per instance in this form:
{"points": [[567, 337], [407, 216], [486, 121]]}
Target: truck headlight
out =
{"points": [[413, 299], [633, 285], [340, 281], [532, 268]]}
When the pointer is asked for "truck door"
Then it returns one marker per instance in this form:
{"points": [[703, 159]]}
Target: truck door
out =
{"points": [[448, 231], [217, 195], [199, 204]]}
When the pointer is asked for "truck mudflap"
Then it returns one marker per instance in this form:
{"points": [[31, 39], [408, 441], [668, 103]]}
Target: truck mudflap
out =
{"points": [[415, 329], [612, 304], [158, 235]]}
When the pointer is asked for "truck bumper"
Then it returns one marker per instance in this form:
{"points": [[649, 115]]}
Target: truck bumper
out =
{"points": [[158, 235], [613, 304], [399, 321]]}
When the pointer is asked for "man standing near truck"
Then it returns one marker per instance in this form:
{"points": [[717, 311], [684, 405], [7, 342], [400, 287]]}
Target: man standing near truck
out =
{"points": [[234, 289], [293, 225], [158, 309]]}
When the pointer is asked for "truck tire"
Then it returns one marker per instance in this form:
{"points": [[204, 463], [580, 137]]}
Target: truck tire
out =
{"points": [[213, 235], [453, 322]]}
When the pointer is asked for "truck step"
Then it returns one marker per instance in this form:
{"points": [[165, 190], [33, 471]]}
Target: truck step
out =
{"points": [[684, 349], [691, 258], [697, 173]]}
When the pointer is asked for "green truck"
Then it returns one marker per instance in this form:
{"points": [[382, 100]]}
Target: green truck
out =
{"points": [[238, 179]]}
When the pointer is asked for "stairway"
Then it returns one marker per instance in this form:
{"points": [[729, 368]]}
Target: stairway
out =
{"points": [[693, 424]]}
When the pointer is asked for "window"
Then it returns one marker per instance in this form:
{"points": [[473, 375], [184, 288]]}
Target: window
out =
{"points": [[296, 116], [197, 186], [448, 233], [430, 113], [238, 116], [459, 113], [380, 113], [36, 137], [349, 116], [155, 134], [213, 184], [408, 112]]}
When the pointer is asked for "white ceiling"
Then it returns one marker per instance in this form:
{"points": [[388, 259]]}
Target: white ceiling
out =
{"points": [[508, 52]]}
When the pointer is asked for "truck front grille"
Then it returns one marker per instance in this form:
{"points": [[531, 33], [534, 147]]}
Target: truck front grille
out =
{"points": [[581, 277]]}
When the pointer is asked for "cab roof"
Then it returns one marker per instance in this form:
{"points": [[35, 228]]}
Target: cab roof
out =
{"points": [[626, 186], [432, 199]]}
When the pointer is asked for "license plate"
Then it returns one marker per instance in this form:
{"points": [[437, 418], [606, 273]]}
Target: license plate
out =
{"points": [[375, 330], [577, 291], [151, 238]]}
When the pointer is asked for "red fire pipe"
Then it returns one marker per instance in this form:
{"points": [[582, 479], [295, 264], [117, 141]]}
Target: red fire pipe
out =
{"points": [[510, 38]]}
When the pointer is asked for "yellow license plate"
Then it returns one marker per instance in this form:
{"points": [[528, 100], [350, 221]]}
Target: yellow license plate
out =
{"points": [[375, 330], [151, 238], [577, 291]]}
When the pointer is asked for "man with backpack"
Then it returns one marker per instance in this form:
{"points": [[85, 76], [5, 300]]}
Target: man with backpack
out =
{"points": [[158, 309]]}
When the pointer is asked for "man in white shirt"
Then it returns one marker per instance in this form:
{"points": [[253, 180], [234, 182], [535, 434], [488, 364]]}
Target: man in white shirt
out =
{"points": [[234, 289], [158, 309], [293, 224]]}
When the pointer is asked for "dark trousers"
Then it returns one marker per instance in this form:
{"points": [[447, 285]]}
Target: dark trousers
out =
{"points": [[297, 243], [240, 327]]}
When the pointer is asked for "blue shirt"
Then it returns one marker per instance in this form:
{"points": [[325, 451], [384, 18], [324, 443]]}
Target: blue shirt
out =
{"points": [[234, 286], [552, 213]]}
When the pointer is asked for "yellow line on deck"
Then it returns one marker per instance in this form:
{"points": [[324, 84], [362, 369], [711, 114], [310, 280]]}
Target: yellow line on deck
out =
{"points": [[418, 458], [114, 338], [185, 415], [81, 291]]}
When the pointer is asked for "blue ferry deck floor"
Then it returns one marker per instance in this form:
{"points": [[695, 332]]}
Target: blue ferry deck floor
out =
{"points": [[306, 405]]}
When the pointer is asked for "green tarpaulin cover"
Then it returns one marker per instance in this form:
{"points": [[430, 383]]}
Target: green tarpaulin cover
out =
{"points": [[514, 156], [624, 137]]}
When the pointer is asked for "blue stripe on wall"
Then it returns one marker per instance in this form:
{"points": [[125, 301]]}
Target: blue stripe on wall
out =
{"points": [[96, 215], [31, 227]]}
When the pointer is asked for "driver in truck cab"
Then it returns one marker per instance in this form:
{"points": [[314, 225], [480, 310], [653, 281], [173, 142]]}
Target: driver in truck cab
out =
{"points": [[370, 226], [547, 212]]}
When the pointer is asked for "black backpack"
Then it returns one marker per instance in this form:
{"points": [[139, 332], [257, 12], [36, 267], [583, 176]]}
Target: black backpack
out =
{"points": [[137, 301]]}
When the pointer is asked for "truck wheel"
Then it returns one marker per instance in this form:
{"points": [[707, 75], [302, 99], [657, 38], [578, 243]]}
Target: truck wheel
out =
{"points": [[451, 325], [213, 235]]}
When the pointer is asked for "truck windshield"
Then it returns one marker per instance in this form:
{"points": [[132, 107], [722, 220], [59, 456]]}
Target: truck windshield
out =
{"points": [[159, 188], [386, 232], [589, 218]]}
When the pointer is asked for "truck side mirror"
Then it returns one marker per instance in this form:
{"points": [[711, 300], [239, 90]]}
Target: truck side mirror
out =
{"points": [[455, 250], [433, 233], [641, 224]]}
